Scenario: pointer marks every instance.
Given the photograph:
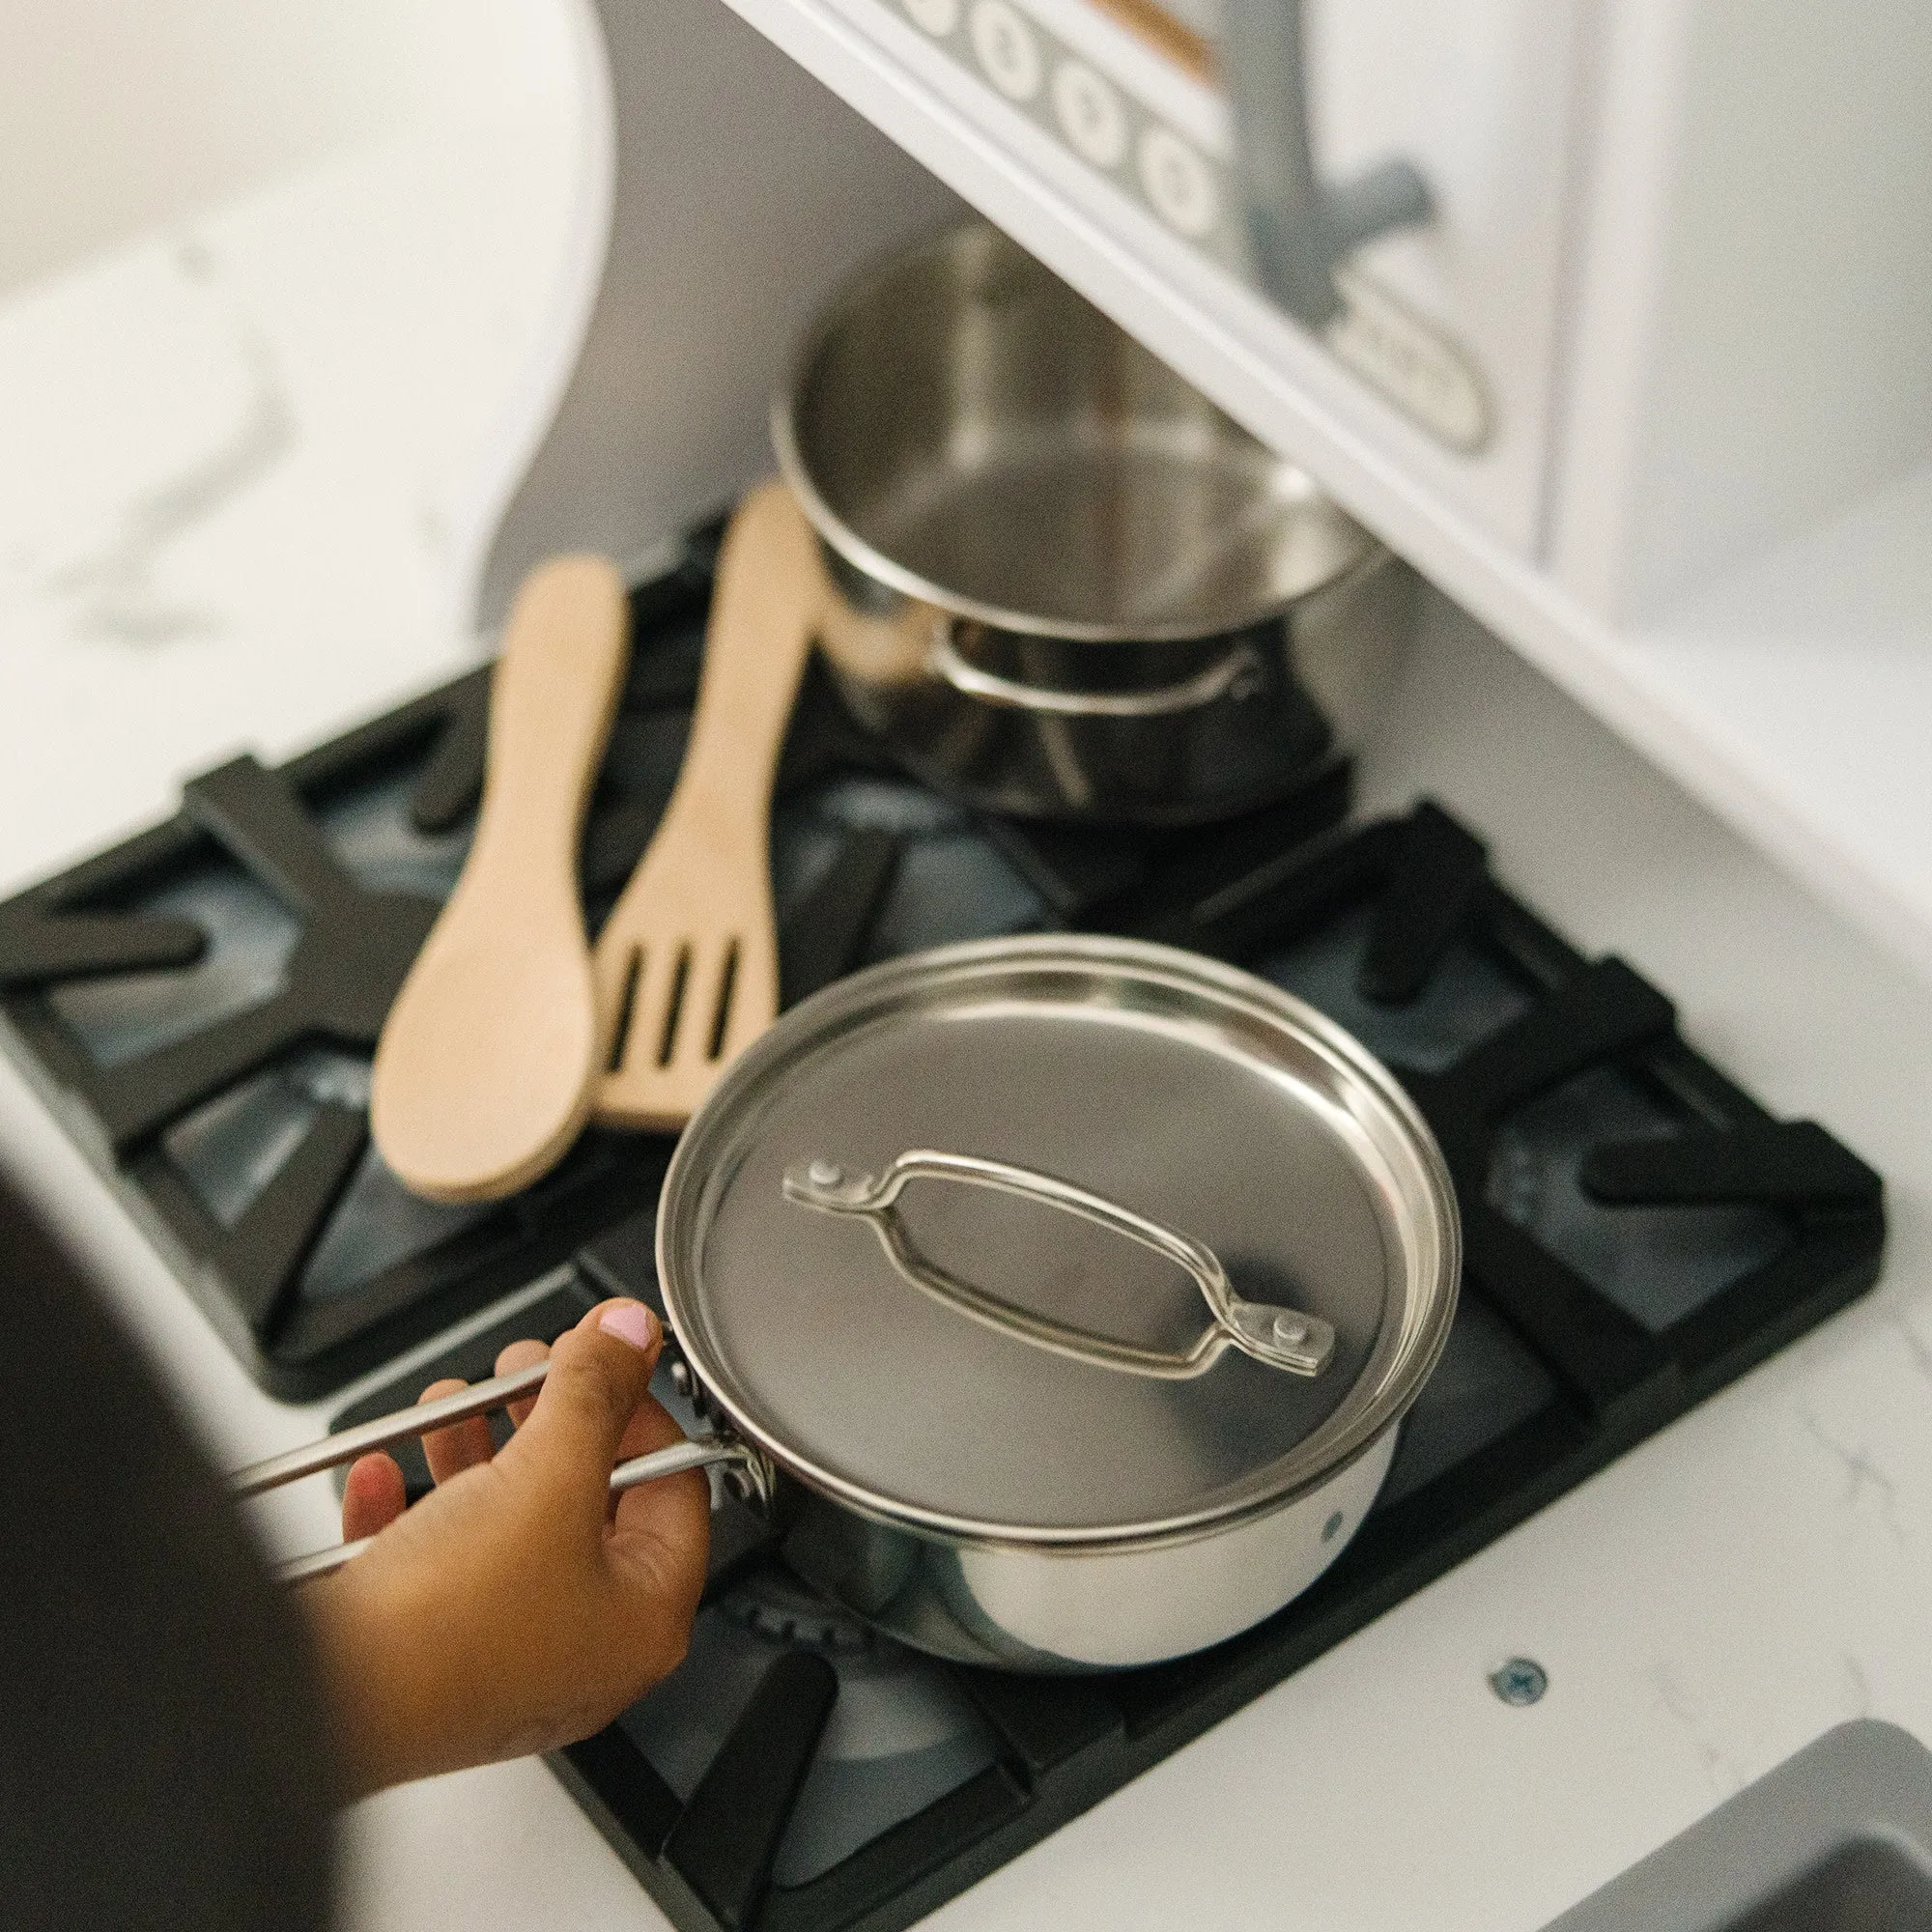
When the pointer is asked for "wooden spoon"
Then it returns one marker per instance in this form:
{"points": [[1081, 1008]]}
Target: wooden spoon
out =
{"points": [[489, 1059], [687, 966]]}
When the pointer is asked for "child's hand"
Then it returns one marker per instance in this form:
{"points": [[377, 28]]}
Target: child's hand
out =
{"points": [[513, 1608]]}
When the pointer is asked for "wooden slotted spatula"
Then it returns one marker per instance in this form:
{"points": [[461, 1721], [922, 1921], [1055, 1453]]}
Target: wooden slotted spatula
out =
{"points": [[489, 1059], [686, 965]]}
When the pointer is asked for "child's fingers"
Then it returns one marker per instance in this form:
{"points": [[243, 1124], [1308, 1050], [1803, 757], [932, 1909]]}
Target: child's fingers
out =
{"points": [[600, 1374], [373, 1497], [459, 1446], [522, 1355], [661, 1533], [646, 1431]]}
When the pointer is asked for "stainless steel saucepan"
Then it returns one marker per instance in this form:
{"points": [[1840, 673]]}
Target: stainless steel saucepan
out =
{"points": [[1060, 1297], [1065, 584]]}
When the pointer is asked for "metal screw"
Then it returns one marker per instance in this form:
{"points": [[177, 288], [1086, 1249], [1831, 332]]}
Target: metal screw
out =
{"points": [[1520, 1681], [1289, 1330]]}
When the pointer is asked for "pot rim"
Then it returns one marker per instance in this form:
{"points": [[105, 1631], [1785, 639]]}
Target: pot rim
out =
{"points": [[1332, 1447], [873, 562]]}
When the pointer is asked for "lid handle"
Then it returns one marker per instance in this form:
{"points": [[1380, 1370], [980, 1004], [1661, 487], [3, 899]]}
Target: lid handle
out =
{"points": [[1282, 1338]]}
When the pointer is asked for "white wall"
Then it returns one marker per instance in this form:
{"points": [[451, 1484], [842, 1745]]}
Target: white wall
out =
{"points": [[118, 116]]}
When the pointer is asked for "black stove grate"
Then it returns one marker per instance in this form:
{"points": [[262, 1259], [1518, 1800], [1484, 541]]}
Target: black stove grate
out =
{"points": [[201, 1004]]}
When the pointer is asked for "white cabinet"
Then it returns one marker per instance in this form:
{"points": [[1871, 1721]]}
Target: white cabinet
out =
{"points": [[739, 192]]}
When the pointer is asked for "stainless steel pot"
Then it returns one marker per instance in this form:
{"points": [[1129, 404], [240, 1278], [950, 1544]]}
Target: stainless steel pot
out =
{"points": [[1065, 584], [1073, 1288], [1060, 1297]]}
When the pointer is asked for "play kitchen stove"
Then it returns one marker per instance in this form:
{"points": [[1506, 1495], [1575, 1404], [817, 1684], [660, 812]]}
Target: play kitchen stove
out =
{"points": [[199, 1006]]}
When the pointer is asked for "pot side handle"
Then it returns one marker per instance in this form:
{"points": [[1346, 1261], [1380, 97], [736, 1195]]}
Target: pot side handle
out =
{"points": [[751, 1473], [1236, 675], [1281, 1338], [1301, 226]]}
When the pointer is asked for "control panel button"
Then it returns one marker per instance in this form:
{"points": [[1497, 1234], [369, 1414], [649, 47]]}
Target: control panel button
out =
{"points": [[1089, 113], [1007, 48], [1179, 184]]}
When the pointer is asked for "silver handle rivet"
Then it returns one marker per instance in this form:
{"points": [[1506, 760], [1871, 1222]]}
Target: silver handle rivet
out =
{"points": [[1520, 1681], [825, 1173], [1289, 1331]]}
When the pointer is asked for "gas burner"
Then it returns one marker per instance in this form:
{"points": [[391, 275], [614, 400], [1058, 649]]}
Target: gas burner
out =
{"points": [[227, 1080], [897, 1736], [347, 957], [774, 1605]]}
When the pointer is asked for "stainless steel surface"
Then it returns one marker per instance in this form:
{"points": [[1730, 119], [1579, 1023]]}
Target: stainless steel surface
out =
{"points": [[966, 429], [705, 1453], [1837, 1838], [982, 1496], [1301, 226], [1282, 1338], [320, 1562], [1236, 675], [1066, 584], [1054, 1611], [379, 1432], [1212, 1101]]}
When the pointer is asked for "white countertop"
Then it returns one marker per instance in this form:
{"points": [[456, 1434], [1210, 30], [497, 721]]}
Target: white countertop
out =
{"points": [[247, 439]]}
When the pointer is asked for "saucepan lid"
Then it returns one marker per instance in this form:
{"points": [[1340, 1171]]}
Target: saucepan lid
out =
{"points": [[1059, 1240]]}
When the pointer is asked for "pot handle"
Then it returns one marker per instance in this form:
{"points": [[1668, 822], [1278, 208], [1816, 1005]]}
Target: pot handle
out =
{"points": [[1301, 227], [752, 1472], [1238, 674], [1282, 1337]]}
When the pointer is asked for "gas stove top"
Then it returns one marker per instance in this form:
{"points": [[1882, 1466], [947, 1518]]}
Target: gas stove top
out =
{"points": [[200, 1005]]}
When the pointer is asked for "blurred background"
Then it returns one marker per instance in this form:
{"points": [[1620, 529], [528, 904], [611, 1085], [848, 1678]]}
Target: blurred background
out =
{"points": [[117, 116], [287, 291]]}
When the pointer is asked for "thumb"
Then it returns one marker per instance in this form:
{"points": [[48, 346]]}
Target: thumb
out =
{"points": [[600, 1374]]}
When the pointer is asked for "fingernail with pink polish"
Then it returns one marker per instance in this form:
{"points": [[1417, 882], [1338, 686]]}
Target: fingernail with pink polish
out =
{"points": [[630, 1321]]}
